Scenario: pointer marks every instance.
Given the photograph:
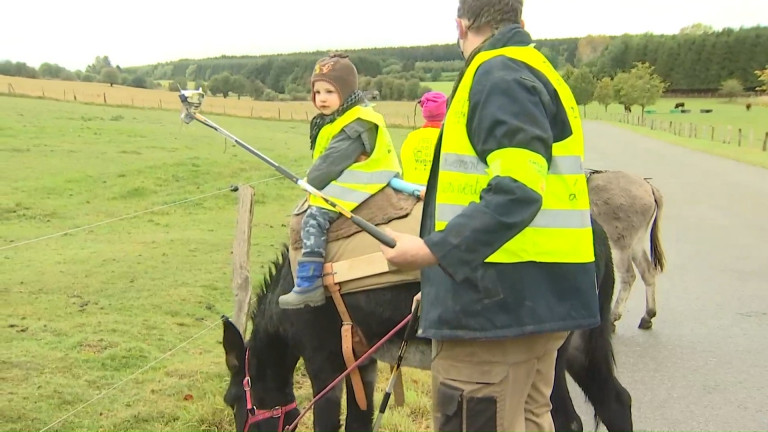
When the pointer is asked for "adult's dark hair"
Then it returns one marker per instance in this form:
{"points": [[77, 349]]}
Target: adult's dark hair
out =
{"points": [[493, 14]]}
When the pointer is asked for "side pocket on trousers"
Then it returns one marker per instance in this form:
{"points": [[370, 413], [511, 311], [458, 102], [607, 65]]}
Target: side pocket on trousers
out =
{"points": [[449, 406], [481, 414]]}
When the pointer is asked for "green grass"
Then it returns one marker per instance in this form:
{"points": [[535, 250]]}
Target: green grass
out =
{"points": [[86, 310], [441, 86], [726, 119]]}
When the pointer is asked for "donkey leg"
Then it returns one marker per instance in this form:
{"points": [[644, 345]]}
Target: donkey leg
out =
{"points": [[596, 377], [648, 274], [564, 415], [625, 275], [357, 419], [327, 410]]}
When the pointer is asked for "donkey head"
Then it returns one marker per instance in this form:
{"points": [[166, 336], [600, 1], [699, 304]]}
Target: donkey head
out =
{"points": [[260, 390]]}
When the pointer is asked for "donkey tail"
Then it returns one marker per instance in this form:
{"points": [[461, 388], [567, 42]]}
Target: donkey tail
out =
{"points": [[657, 253]]}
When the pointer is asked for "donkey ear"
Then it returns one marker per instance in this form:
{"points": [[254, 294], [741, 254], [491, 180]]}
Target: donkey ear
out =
{"points": [[234, 348]]}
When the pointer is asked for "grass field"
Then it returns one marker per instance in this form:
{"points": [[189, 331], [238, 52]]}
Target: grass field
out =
{"points": [[395, 113], [86, 310], [728, 116], [441, 86], [695, 130]]}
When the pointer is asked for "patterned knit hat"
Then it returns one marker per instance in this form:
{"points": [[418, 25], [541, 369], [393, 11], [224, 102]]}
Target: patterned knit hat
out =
{"points": [[337, 70], [433, 106]]}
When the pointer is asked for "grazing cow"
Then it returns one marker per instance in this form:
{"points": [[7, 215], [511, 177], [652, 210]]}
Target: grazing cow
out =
{"points": [[749, 106], [627, 206], [680, 105]]}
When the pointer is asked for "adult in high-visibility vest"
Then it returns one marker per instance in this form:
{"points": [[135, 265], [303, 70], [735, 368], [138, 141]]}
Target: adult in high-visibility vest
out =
{"points": [[353, 158], [419, 146], [506, 247]]}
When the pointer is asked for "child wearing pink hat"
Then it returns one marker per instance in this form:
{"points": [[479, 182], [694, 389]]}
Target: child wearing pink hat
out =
{"points": [[419, 146]]}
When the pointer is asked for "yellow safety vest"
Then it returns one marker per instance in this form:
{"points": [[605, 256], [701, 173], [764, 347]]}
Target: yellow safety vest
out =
{"points": [[561, 231], [416, 154], [362, 179]]}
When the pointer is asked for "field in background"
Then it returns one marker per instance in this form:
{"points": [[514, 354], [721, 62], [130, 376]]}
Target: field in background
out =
{"points": [[694, 130], [729, 130], [441, 86], [395, 113], [86, 310]]}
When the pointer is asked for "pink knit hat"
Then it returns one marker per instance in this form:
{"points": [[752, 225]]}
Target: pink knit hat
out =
{"points": [[433, 106]]}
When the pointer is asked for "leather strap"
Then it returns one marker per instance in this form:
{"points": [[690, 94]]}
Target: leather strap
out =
{"points": [[359, 267], [352, 340]]}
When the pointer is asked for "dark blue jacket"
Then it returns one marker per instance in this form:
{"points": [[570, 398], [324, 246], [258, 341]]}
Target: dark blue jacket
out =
{"points": [[511, 105]]}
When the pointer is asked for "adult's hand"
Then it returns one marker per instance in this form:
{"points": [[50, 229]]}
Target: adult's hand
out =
{"points": [[410, 252]]}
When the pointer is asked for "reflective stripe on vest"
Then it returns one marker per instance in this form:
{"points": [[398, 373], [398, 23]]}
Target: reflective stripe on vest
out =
{"points": [[361, 179], [562, 230], [416, 154]]}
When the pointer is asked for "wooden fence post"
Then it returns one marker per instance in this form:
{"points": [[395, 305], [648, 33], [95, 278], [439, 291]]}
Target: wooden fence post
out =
{"points": [[713, 133], [278, 113], [765, 141], [739, 137], [105, 98], [241, 277]]}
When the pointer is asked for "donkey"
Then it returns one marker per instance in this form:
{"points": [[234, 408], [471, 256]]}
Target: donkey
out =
{"points": [[262, 368], [627, 206]]}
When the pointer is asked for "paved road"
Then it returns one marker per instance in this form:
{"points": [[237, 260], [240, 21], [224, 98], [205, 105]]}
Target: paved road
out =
{"points": [[704, 366]]}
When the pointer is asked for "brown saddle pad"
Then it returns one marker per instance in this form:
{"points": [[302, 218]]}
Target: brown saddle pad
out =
{"points": [[358, 262], [383, 207]]}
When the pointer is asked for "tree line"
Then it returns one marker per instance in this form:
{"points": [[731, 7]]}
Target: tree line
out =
{"points": [[697, 59]]}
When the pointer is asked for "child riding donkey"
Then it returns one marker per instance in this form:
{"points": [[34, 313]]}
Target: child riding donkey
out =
{"points": [[353, 158]]}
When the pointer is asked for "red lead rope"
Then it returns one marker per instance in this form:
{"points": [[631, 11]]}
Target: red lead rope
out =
{"points": [[363, 358]]}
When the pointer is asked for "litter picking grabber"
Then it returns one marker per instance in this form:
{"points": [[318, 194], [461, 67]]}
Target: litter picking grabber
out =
{"points": [[409, 332], [191, 100]]}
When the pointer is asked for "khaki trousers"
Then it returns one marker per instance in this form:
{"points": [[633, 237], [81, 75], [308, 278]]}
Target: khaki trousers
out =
{"points": [[494, 385]]}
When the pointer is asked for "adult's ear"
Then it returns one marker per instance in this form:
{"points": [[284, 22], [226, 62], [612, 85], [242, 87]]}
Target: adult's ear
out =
{"points": [[234, 347], [461, 28]]}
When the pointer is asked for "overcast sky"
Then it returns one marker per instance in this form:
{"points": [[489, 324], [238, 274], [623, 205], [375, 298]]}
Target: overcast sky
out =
{"points": [[72, 33]]}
